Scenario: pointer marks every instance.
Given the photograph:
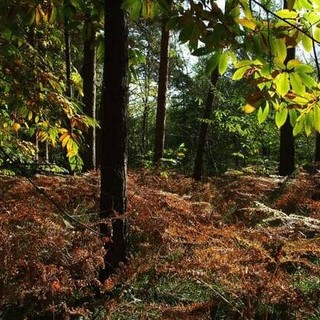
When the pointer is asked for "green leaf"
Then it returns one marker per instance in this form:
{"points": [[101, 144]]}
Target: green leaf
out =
{"points": [[296, 83], [263, 114], [282, 83], [307, 80], [287, 14], [202, 51], [316, 33], [186, 32], [164, 5], [6, 33], [293, 63], [293, 117], [133, 7], [306, 43], [305, 68], [305, 4], [243, 63], [300, 100], [212, 63], [279, 49], [298, 127], [309, 122], [223, 63], [281, 117], [240, 72], [316, 115]]}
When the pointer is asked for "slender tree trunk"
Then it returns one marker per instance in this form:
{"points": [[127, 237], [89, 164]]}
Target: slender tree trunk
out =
{"points": [[89, 93], [145, 116], [162, 94], [114, 135], [286, 161], [98, 130], [198, 164], [317, 143], [144, 135], [317, 151]]}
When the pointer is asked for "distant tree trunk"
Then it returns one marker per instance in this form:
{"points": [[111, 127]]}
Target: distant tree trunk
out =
{"points": [[114, 135], [286, 161], [89, 92], [198, 164], [146, 108], [98, 130], [145, 121], [317, 151], [67, 52], [162, 93], [317, 144]]}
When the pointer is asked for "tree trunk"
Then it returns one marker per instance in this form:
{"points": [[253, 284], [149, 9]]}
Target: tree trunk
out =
{"points": [[114, 136], [286, 161], [89, 93], [162, 94], [317, 143], [286, 164], [146, 109], [198, 164]]}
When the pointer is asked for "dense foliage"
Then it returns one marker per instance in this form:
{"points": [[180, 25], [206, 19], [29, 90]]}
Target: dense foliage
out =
{"points": [[243, 244]]}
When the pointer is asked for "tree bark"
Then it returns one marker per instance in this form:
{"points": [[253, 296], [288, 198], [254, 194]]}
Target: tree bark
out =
{"points": [[287, 150], [162, 94], [198, 164], [286, 164], [114, 136], [89, 93]]}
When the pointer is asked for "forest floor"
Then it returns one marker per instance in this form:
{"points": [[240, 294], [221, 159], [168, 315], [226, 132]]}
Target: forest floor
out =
{"points": [[240, 246]]}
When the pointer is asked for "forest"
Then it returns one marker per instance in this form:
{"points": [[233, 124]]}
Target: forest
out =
{"points": [[159, 159]]}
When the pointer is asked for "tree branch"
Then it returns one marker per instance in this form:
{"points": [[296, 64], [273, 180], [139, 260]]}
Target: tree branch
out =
{"points": [[286, 21]]}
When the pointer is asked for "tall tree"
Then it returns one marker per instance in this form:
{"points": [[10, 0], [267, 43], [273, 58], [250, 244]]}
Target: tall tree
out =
{"points": [[317, 142], [114, 135], [198, 164], [286, 160], [89, 91], [162, 92]]}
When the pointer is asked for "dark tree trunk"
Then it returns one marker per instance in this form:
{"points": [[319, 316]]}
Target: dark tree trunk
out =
{"points": [[162, 94], [286, 161], [114, 135], [286, 164], [89, 93], [198, 163], [67, 53], [317, 143], [317, 151]]}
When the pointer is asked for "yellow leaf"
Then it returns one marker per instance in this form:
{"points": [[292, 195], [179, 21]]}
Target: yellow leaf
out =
{"points": [[38, 15], [65, 140], [16, 127], [248, 108], [247, 23]]}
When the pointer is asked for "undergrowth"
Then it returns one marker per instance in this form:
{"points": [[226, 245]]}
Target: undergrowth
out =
{"points": [[197, 250]]}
